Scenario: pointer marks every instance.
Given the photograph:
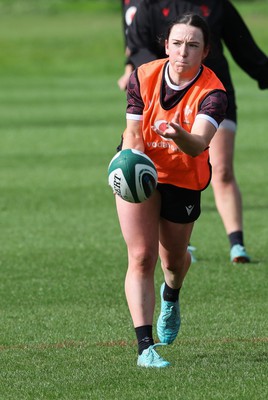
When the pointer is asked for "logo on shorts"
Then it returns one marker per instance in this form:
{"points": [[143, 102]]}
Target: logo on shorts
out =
{"points": [[189, 209]]}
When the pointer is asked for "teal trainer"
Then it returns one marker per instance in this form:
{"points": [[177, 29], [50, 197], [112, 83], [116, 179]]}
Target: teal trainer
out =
{"points": [[168, 323], [238, 254], [191, 250], [150, 359]]}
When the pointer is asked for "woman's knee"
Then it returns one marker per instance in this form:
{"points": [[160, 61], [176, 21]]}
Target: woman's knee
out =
{"points": [[175, 264], [222, 173], [143, 260]]}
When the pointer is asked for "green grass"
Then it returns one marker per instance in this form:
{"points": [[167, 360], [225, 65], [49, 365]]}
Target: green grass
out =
{"points": [[66, 332]]}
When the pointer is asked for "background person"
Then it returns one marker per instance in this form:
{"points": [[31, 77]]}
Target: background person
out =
{"points": [[129, 8], [150, 23], [174, 107]]}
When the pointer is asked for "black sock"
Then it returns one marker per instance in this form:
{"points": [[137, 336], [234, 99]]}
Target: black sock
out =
{"points": [[236, 238], [144, 336], [170, 294]]}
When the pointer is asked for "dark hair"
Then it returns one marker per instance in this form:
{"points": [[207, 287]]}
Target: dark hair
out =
{"points": [[192, 20]]}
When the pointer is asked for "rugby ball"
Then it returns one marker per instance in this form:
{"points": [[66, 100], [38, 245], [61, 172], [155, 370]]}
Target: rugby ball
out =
{"points": [[132, 175]]}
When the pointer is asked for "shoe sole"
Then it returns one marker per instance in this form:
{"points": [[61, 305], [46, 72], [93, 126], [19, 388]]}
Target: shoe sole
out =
{"points": [[153, 366], [240, 260]]}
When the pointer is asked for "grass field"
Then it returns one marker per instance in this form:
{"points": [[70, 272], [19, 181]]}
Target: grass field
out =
{"points": [[65, 331]]}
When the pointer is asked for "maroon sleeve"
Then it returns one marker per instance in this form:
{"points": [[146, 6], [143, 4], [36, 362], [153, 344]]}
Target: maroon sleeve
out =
{"points": [[135, 103], [215, 105]]}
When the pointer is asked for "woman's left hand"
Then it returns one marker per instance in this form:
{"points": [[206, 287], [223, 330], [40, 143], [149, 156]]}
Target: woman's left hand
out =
{"points": [[173, 128]]}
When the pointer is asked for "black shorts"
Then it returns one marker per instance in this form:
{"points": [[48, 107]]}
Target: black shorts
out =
{"points": [[231, 109], [178, 204], [220, 66]]}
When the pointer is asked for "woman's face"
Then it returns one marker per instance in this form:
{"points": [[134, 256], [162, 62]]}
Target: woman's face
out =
{"points": [[185, 48]]}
